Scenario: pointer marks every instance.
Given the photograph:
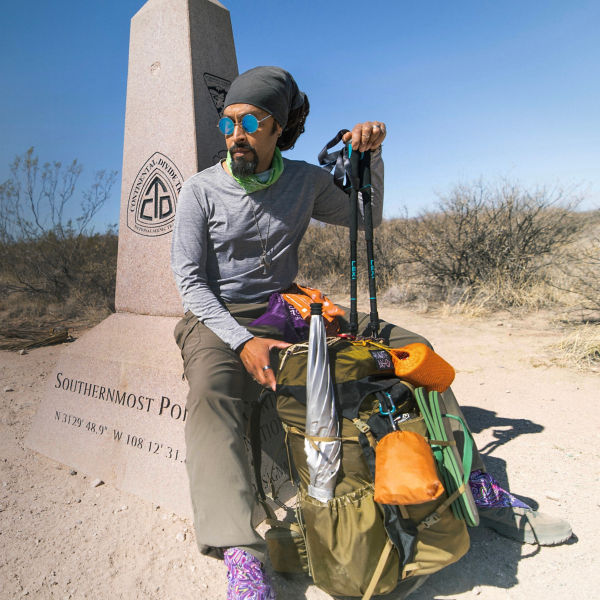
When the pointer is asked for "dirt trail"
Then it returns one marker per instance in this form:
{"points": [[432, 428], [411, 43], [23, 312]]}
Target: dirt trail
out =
{"points": [[536, 423]]}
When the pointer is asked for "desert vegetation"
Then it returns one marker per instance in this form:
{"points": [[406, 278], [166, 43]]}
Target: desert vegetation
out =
{"points": [[480, 250], [54, 268]]}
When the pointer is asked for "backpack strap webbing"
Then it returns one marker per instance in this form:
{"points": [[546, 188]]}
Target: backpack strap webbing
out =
{"points": [[434, 517], [255, 443], [378, 569]]}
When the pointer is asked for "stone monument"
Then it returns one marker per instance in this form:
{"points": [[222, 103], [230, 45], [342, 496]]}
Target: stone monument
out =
{"points": [[115, 407]]}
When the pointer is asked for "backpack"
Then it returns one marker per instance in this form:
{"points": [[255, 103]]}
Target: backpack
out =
{"points": [[352, 545]]}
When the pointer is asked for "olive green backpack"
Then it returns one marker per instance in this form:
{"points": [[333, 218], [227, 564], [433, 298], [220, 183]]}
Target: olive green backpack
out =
{"points": [[351, 545]]}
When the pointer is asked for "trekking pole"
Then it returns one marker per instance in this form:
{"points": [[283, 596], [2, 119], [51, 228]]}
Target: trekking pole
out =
{"points": [[365, 189], [354, 182]]}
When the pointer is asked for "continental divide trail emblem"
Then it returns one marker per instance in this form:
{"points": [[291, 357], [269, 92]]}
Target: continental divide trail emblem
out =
{"points": [[153, 197]]}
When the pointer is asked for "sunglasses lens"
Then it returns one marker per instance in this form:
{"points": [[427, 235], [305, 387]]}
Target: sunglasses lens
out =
{"points": [[249, 123], [226, 126]]}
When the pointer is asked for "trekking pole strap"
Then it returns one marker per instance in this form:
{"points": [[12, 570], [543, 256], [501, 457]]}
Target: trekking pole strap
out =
{"points": [[338, 161]]}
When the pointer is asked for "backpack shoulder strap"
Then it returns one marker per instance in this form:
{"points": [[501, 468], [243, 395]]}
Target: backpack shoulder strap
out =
{"points": [[255, 443]]}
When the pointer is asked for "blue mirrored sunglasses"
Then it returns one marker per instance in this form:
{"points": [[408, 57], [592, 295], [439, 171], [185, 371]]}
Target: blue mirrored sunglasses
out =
{"points": [[249, 124]]}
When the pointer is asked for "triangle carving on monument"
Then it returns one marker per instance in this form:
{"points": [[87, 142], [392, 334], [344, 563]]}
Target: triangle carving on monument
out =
{"points": [[218, 88]]}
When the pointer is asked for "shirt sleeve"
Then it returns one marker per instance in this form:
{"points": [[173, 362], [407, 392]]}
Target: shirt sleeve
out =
{"points": [[332, 204], [188, 263]]}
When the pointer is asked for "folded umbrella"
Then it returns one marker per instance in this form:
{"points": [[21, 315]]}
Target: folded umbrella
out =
{"points": [[322, 444]]}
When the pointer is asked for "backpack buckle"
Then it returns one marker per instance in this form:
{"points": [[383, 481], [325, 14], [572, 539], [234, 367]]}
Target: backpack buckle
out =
{"points": [[361, 426], [431, 520]]}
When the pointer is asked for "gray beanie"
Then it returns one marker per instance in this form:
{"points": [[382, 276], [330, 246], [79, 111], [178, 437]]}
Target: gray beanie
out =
{"points": [[269, 88]]}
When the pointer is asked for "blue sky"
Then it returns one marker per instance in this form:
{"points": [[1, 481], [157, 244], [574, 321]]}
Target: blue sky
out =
{"points": [[469, 90]]}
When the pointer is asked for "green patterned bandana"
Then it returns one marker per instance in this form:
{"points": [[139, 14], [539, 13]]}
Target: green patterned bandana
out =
{"points": [[252, 183]]}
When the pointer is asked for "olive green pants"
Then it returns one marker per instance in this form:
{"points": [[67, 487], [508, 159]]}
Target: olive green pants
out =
{"points": [[219, 401]]}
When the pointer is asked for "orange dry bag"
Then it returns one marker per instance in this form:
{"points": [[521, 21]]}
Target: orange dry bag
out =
{"points": [[405, 470]]}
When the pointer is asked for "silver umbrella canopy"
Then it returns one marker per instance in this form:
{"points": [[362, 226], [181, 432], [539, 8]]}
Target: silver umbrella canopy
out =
{"points": [[322, 457]]}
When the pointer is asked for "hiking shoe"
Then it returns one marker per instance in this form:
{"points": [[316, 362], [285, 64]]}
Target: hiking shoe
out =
{"points": [[526, 525], [246, 577]]}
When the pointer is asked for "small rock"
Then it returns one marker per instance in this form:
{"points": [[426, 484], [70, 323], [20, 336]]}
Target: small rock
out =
{"points": [[180, 537], [551, 495], [22, 351], [192, 568], [73, 473], [499, 324], [96, 483], [124, 507], [79, 522], [9, 389]]}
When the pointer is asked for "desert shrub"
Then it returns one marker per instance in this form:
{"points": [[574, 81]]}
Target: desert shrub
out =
{"points": [[324, 258], [481, 239], [580, 348], [579, 269], [47, 258], [481, 249]]}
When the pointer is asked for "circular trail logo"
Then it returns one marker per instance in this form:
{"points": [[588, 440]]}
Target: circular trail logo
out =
{"points": [[153, 197]]}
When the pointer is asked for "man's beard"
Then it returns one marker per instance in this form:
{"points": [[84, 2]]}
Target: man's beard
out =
{"points": [[241, 167]]}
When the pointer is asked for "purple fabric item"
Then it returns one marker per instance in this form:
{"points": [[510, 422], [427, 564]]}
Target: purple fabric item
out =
{"points": [[284, 317], [246, 578], [488, 493]]}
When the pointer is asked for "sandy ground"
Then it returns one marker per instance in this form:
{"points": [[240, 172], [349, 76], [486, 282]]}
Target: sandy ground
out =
{"points": [[536, 423]]}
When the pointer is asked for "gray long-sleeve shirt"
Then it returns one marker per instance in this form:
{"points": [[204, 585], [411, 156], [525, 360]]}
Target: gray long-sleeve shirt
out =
{"points": [[216, 247]]}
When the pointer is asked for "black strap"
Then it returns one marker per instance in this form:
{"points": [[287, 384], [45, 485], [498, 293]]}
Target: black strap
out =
{"points": [[338, 161], [256, 445]]}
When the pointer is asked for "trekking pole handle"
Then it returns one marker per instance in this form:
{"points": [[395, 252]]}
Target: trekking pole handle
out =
{"points": [[365, 170]]}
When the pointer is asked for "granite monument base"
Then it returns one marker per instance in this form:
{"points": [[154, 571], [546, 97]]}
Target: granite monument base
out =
{"points": [[115, 410]]}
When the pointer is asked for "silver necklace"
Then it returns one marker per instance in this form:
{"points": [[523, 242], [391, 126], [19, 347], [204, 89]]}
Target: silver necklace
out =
{"points": [[265, 259]]}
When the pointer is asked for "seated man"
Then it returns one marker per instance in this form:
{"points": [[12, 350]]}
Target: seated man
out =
{"points": [[238, 227]]}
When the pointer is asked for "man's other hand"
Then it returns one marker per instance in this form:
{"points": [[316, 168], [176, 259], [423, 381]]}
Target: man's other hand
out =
{"points": [[255, 356], [366, 136]]}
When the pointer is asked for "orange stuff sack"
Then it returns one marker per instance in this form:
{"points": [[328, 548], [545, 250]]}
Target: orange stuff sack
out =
{"points": [[405, 470], [422, 367], [301, 298]]}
